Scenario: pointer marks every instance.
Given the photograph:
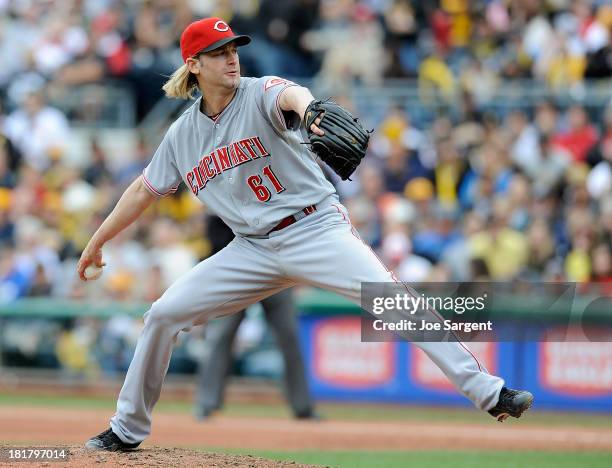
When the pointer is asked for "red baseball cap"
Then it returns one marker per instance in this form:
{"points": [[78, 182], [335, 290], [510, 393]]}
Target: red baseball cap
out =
{"points": [[208, 34]]}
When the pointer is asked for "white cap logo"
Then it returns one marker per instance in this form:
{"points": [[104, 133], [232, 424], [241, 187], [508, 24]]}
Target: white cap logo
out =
{"points": [[221, 26]]}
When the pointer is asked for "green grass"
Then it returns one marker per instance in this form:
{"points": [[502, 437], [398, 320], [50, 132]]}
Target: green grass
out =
{"points": [[334, 411], [427, 459]]}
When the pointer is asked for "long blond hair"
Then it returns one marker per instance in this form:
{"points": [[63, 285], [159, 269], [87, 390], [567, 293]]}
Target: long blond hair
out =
{"points": [[182, 84]]}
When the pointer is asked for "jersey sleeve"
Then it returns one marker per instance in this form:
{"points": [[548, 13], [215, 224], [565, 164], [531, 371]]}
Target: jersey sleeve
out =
{"points": [[268, 90], [161, 175]]}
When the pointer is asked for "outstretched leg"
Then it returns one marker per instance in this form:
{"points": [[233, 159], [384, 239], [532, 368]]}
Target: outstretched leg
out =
{"points": [[327, 252]]}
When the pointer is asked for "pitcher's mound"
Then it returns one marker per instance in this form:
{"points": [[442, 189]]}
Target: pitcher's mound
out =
{"points": [[159, 457]]}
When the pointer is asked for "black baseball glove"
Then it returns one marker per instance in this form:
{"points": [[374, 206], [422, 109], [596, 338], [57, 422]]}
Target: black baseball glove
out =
{"points": [[345, 141]]}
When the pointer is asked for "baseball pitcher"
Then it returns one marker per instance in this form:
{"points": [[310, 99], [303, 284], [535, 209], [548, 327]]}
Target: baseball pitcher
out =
{"points": [[238, 148]]}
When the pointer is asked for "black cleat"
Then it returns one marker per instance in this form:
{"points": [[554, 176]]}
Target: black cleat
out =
{"points": [[308, 415], [203, 414], [110, 442], [511, 403]]}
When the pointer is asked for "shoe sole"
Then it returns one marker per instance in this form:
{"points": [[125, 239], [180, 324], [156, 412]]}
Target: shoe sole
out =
{"points": [[97, 448], [524, 407]]}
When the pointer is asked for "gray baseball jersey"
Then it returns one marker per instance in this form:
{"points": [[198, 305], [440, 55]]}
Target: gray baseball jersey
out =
{"points": [[247, 165]]}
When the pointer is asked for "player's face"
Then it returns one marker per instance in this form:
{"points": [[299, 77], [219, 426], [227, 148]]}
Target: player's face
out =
{"points": [[220, 67]]}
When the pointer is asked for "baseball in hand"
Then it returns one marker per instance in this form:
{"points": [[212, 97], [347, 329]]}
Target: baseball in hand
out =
{"points": [[93, 272]]}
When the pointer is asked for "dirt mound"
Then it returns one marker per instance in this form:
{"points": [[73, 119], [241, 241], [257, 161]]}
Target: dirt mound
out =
{"points": [[153, 456]]}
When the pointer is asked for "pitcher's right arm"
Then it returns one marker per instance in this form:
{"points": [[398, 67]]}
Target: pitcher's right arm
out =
{"points": [[136, 198]]}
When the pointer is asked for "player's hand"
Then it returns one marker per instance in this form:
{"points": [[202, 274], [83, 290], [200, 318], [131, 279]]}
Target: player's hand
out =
{"points": [[314, 127], [92, 255]]}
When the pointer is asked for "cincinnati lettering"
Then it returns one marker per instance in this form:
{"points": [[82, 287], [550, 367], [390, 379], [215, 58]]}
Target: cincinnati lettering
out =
{"points": [[223, 159]]}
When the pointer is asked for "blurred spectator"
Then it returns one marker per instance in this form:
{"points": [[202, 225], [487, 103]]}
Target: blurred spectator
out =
{"points": [[479, 80], [548, 174], [7, 177], [365, 218], [127, 259], [168, 251], [14, 281], [457, 256], [97, 170], [449, 172], [7, 227], [40, 286], [504, 250], [126, 174], [401, 165], [578, 260], [397, 255], [154, 285], [599, 180], [116, 343], [598, 44], [605, 219], [479, 271], [77, 194], [580, 135], [525, 143], [436, 232], [9, 154], [436, 80], [281, 31], [546, 118], [489, 174], [39, 132], [562, 64], [541, 246], [74, 348], [401, 27], [519, 201], [344, 24], [602, 263]]}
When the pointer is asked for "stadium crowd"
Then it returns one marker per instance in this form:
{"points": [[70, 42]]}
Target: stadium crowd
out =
{"points": [[448, 44], [525, 194]]}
